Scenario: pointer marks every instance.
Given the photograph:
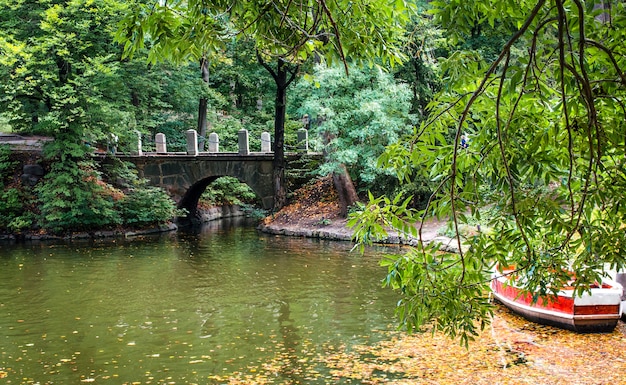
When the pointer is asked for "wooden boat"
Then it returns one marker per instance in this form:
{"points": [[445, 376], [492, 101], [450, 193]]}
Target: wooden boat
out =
{"points": [[620, 278], [597, 311]]}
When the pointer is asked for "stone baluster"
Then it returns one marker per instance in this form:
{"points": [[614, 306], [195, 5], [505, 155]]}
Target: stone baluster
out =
{"points": [[139, 144], [303, 140], [214, 142], [192, 142], [266, 142], [161, 146], [244, 147]]}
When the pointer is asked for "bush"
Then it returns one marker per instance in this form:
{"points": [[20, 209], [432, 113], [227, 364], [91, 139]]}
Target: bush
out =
{"points": [[146, 206], [138, 204], [73, 198], [21, 223], [227, 191], [11, 198], [10, 203]]}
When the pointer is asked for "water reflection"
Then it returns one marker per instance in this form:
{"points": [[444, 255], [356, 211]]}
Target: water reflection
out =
{"points": [[186, 307]]}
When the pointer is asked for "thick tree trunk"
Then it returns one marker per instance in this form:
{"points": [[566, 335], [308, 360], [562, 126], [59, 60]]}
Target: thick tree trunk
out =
{"points": [[345, 190], [203, 106], [202, 122], [283, 76], [280, 193]]}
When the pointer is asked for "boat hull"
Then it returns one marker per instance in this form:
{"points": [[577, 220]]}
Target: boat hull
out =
{"points": [[598, 311], [621, 279]]}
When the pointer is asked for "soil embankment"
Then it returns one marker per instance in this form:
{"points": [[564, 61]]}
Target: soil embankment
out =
{"points": [[314, 212]]}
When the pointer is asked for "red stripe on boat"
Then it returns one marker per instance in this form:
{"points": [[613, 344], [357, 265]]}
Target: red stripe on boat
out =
{"points": [[554, 303]]}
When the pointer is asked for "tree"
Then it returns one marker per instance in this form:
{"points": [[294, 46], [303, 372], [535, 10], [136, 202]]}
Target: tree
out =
{"points": [[547, 126], [285, 32], [63, 78], [177, 32], [355, 116], [60, 61]]}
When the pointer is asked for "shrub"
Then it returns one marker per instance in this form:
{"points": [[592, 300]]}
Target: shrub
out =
{"points": [[145, 206], [6, 164], [21, 223], [227, 191], [72, 198]]}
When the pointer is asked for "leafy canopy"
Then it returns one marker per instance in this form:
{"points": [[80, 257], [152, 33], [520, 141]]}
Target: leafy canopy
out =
{"points": [[287, 29], [354, 117], [546, 121]]}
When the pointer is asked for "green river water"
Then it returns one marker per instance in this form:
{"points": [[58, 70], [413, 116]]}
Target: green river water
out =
{"points": [[186, 308]]}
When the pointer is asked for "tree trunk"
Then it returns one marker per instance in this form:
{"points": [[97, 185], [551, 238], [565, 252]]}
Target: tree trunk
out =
{"points": [[203, 105], [345, 190], [283, 76], [280, 193]]}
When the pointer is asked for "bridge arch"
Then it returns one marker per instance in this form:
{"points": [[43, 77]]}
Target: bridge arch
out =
{"points": [[185, 177], [189, 201]]}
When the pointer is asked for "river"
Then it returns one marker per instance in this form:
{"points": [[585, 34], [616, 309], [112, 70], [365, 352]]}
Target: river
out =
{"points": [[186, 308]]}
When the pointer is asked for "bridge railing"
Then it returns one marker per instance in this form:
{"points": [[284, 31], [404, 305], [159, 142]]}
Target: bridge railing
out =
{"points": [[213, 143]]}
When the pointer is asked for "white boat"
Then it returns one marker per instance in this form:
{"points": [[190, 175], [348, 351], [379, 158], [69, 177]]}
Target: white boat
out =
{"points": [[621, 279], [595, 311]]}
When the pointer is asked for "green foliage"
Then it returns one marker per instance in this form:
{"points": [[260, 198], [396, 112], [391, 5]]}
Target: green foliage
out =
{"points": [[249, 92], [60, 64], [371, 221], [6, 165], [10, 205], [226, 128], [71, 199], [21, 223], [178, 30], [353, 119], [146, 206], [74, 196], [138, 204], [4, 124], [227, 191], [253, 212], [546, 124], [424, 43], [431, 297], [11, 199]]}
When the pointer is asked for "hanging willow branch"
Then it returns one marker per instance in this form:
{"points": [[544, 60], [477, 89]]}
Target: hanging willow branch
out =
{"points": [[479, 91]]}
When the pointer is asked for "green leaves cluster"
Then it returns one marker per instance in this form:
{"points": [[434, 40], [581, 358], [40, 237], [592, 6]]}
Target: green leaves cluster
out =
{"points": [[12, 199], [292, 31], [352, 118], [228, 191], [74, 196], [546, 122], [146, 206], [58, 66], [71, 199]]}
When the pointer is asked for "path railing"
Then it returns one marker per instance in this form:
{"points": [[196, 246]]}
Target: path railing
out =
{"points": [[213, 142]]}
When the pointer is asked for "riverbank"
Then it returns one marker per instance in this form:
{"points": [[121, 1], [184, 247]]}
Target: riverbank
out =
{"points": [[101, 234], [315, 214], [206, 215]]}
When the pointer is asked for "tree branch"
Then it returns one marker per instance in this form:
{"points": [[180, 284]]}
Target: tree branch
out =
{"points": [[609, 53], [503, 53], [266, 66], [337, 34]]}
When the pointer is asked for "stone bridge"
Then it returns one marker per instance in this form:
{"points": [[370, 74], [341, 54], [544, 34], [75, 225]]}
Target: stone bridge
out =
{"points": [[185, 177]]}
